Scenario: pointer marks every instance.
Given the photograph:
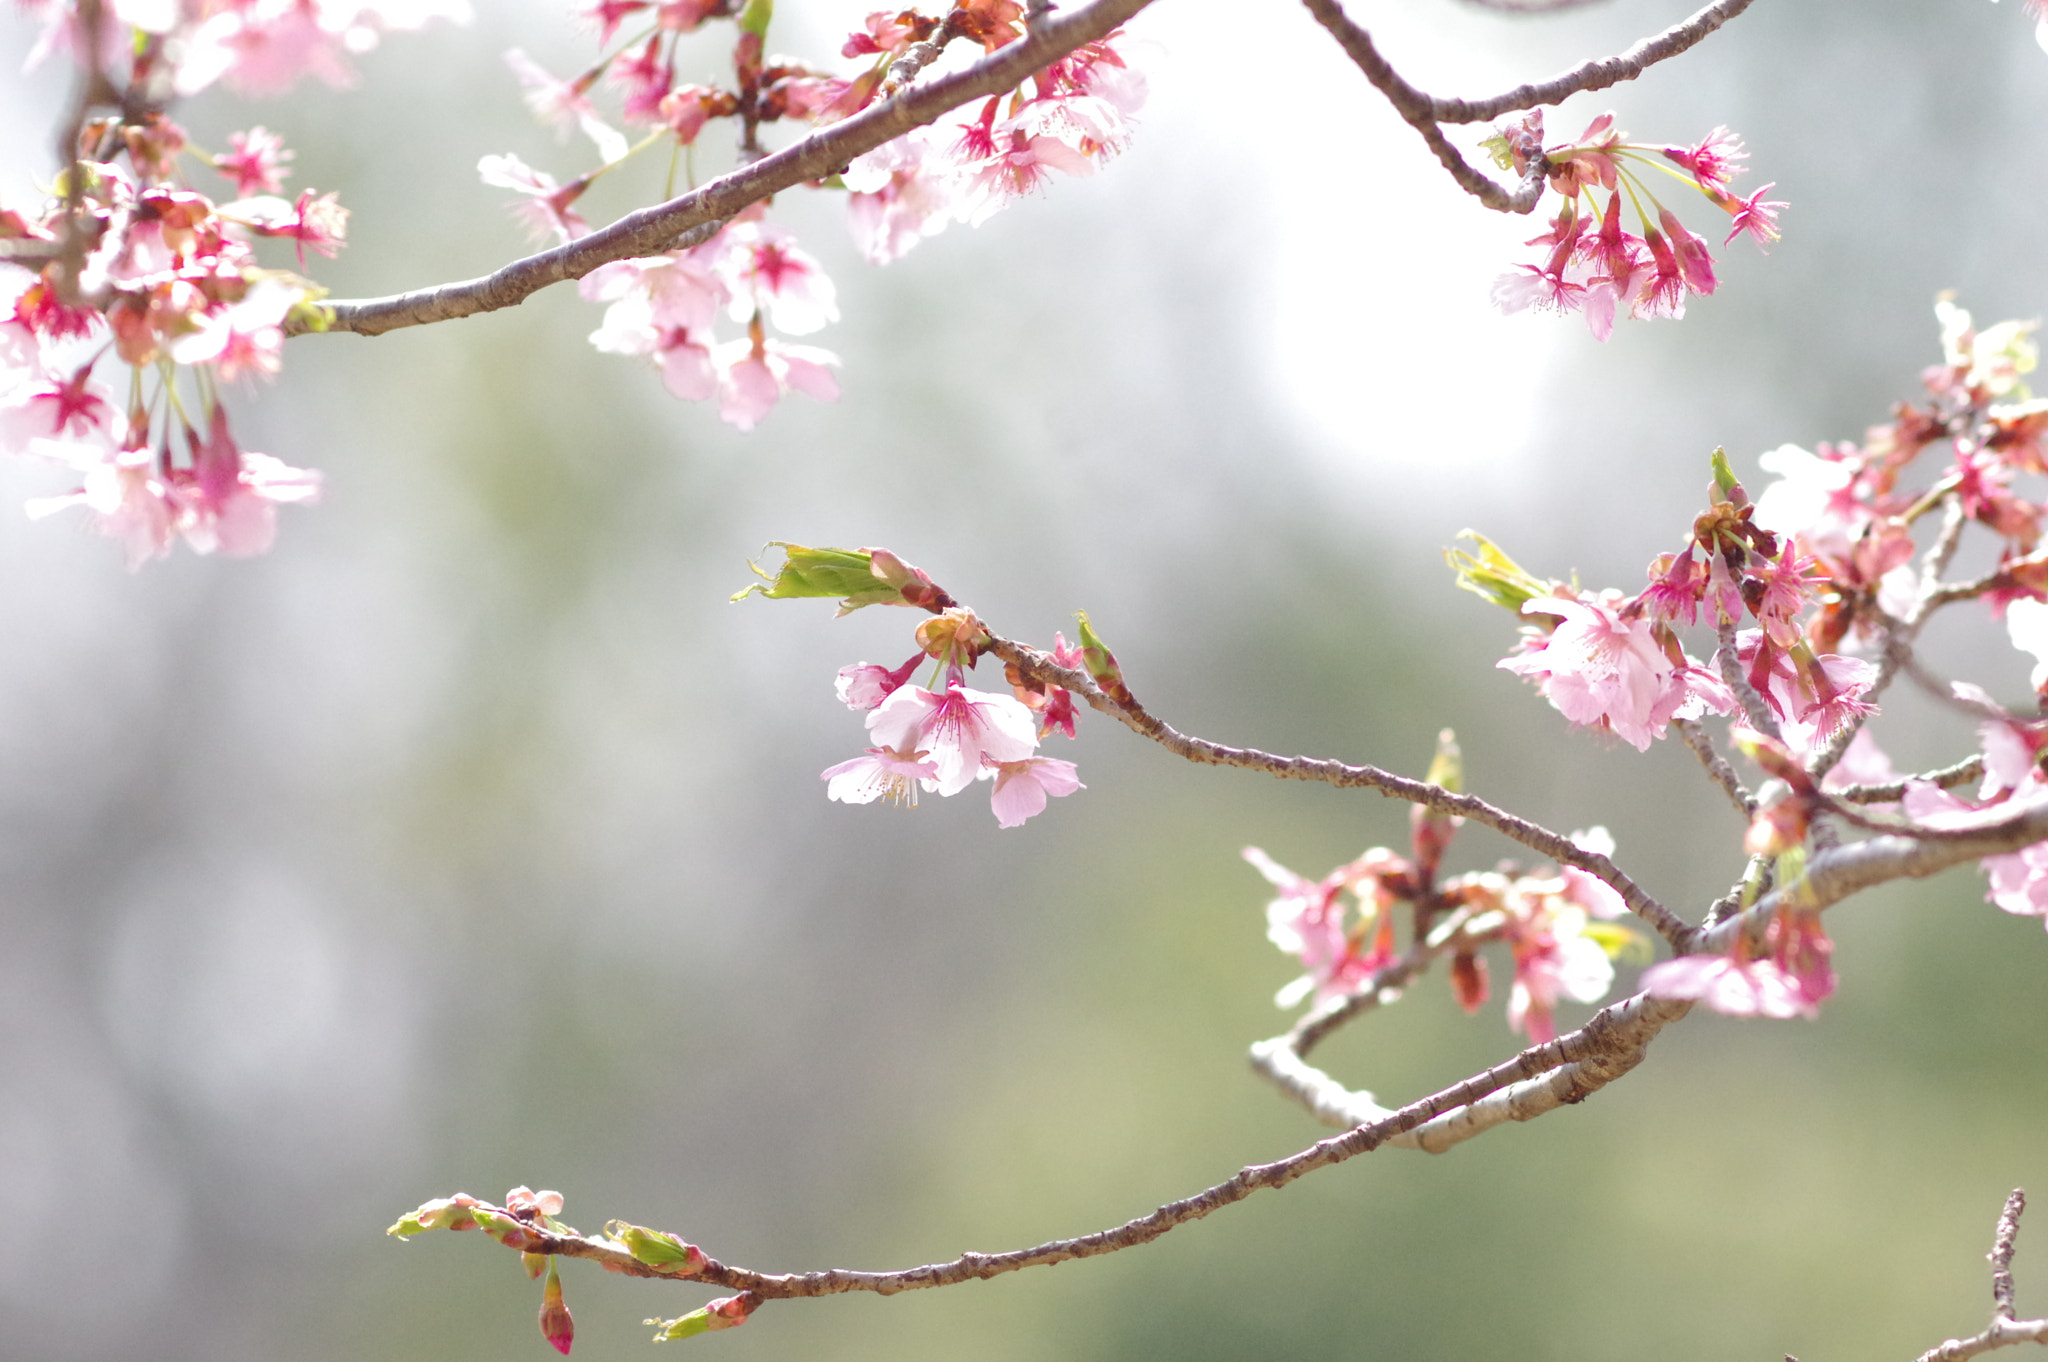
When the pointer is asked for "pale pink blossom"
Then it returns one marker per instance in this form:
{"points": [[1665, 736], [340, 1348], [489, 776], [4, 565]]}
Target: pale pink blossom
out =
{"points": [[563, 104], [1606, 671], [766, 273], [894, 774], [228, 500], [898, 196], [127, 500], [546, 209], [1554, 959], [1740, 988], [1307, 922], [243, 337], [1021, 787], [753, 375], [963, 730]]}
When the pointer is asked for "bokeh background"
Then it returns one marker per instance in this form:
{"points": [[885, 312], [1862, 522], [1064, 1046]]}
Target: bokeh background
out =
{"points": [[471, 838]]}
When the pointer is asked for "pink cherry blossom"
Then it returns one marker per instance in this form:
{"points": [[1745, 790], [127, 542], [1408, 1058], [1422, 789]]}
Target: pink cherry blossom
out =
{"points": [[894, 774], [563, 105], [228, 499], [754, 374], [1021, 787], [767, 273], [1307, 922], [1605, 671], [963, 730], [256, 162], [546, 209], [865, 685], [1739, 988], [1554, 959], [898, 195]]}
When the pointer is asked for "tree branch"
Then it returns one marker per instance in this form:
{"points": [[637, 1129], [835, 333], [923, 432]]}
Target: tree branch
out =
{"points": [[1426, 113], [1039, 666], [652, 230], [1839, 872], [2005, 1330], [1581, 1062]]}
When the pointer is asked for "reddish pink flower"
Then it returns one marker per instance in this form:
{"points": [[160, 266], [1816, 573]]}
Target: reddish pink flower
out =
{"points": [[864, 685], [1717, 159], [1755, 216], [256, 162]]}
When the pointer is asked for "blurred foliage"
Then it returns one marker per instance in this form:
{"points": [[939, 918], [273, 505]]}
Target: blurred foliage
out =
{"points": [[472, 839]]}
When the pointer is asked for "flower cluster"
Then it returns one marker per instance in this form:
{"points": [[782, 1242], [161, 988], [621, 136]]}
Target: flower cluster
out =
{"points": [[1068, 117], [947, 737], [1556, 923], [1825, 564], [256, 47], [128, 264], [1591, 263]]}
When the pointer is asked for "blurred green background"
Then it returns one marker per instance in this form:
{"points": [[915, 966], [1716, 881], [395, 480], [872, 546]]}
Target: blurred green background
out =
{"points": [[472, 839]]}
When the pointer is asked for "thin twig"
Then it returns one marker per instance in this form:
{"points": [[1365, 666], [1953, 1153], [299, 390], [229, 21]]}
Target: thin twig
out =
{"points": [[2005, 1329], [1717, 766], [2001, 1253], [1899, 635], [1754, 708], [1427, 113], [1032, 663], [1891, 792], [1836, 874], [653, 229], [1575, 1064]]}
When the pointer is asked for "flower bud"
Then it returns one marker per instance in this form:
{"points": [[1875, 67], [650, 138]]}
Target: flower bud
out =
{"points": [[556, 1326]]}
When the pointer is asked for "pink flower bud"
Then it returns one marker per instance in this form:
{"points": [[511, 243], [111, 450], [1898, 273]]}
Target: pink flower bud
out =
{"points": [[556, 1326]]}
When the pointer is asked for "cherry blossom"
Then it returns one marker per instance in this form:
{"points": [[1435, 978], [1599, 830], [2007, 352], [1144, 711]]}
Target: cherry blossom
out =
{"points": [[1739, 988], [754, 373], [1306, 921], [1021, 787], [894, 774], [1606, 671], [1592, 264], [962, 729]]}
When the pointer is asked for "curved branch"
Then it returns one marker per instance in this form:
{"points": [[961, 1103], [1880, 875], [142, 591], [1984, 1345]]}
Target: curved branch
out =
{"points": [[1426, 113], [1839, 872], [1609, 1038], [1039, 666], [652, 230]]}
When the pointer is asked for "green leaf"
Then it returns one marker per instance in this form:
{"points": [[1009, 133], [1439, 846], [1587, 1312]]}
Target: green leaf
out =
{"points": [[656, 1249], [686, 1326], [442, 1213], [755, 17], [1618, 941], [1726, 488], [1493, 575], [820, 572]]}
